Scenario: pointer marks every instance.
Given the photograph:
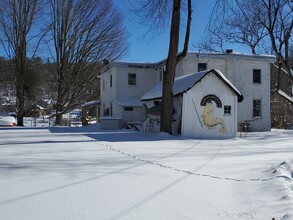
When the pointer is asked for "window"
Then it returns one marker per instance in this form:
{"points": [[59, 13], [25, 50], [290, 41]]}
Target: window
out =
{"points": [[131, 79], [103, 84], [111, 81], [128, 109], [256, 108], [256, 76], [201, 66], [227, 109]]}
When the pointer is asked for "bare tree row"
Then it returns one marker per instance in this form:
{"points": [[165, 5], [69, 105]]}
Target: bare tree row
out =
{"points": [[76, 35]]}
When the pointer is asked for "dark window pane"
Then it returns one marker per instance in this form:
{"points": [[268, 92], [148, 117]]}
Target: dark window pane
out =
{"points": [[201, 66], [256, 76], [128, 109], [131, 79], [227, 110], [256, 108]]}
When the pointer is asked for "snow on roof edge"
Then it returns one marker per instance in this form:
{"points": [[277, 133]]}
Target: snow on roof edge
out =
{"points": [[128, 102], [183, 83], [90, 103], [285, 95]]}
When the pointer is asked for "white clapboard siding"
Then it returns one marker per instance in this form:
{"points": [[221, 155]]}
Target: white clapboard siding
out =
{"points": [[192, 111]]}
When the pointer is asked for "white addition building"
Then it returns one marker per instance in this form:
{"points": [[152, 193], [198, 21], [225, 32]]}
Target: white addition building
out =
{"points": [[122, 86], [124, 83]]}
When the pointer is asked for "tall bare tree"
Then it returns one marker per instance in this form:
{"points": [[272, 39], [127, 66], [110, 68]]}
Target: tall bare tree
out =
{"points": [[257, 22], [277, 18], [233, 22], [253, 22], [84, 33], [17, 19], [157, 15]]}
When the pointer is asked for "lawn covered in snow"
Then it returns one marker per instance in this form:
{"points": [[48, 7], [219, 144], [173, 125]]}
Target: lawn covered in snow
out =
{"points": [[85, 173]]}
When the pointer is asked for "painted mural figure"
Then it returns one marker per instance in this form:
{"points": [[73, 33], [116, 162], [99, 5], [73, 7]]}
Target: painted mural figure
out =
{"points": [[210, 121]]}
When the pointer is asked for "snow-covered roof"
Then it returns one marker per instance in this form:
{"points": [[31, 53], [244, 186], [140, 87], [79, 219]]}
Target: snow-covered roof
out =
{"points": [[290, 99], [137, 65], [155, 64], [183, 83], [291, 71], [235, 54], [91, 103], [128, 102]]}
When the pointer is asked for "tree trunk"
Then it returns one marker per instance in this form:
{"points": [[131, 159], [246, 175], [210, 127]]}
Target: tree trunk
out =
{"points": [[20, 104], [168, 78], [59, 108], [21, 67]]}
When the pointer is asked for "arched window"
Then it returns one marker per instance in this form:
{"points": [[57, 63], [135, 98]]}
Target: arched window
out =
{"points": [[210, 98]]}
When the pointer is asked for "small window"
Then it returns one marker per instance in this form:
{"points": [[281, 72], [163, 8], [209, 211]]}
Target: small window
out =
{"points": [[201, 66], [227, 109], [131, 79], [256, 108], [128, 109], [111, 81], [256, 76], [156, 103]]}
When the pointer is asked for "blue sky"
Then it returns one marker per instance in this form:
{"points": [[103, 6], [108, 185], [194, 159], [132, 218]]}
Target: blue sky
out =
{"points": [[143, 49], [148, 49]]}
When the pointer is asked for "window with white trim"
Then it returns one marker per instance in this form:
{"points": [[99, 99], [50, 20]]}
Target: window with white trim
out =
{"points": [[131, 79], [257, 108], [227, 109], [201, 66], [128, 109], [256, 76]]}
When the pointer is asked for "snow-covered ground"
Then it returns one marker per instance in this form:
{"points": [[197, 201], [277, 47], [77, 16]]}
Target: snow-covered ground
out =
{"points": [[84, 173]]}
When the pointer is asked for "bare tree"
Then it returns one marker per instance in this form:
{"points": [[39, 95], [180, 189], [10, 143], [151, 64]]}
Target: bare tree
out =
{"points": [[17, 19], [157, 15], [254, 23], [243, 27], [84, 33], [276, 16], [257, 22], [233, 22]]}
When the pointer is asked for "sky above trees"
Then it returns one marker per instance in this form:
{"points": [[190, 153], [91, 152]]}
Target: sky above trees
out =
{"points": [[155, 48]]}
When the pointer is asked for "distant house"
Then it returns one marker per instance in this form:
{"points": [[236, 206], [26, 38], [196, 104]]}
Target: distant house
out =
{"points": [[124, 83], [205, 105]]}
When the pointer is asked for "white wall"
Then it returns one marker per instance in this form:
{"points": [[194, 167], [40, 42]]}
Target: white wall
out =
{"points": [[146, 78], [192, 118], [107, 92]]}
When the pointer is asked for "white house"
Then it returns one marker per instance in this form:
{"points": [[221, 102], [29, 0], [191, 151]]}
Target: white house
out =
{"points": [[124, 83], [249, 73], [205, 106]]}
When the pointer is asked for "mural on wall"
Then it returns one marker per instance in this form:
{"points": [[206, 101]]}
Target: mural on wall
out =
{"points": [[208, 121]]}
